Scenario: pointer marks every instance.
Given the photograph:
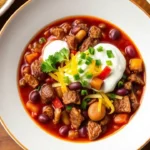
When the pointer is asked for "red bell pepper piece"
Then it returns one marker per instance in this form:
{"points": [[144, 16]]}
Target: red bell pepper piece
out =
{"points": [[57, 103], [73, 52], [105, 72]]}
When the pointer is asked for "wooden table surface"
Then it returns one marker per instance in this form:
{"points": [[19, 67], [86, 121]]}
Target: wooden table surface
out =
{"points": [[6, 143]]}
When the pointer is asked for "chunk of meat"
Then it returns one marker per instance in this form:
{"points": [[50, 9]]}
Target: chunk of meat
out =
{"points": [[66, 26], [76, 118], [136, 79], [76, 22], [94, 130], [57, 115], [47, 93], [73, 134], [123, 105], [31, 80], [88, 42], [22, 82], [83, 26], [134, 102], [72, 42], [58, 32], [36, 70], [71, 97], [95, 32], [49, 111], [128, 85], [105, 121]]}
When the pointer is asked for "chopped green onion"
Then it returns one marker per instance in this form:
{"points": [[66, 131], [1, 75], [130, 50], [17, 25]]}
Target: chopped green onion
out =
{"points": [[98, 62], [84, 92], [100, 49], [80, 70], [120, 84], [92, 96], [38, 88], [87, 99], [80, 62], [66, 79], [83, 55], [83, 105], [76, 77], [42, 40], [89, 75], [114, 96], [84, 83], [68, 108], [89, 60], [109, 62], [91, 50], [110, 54]]}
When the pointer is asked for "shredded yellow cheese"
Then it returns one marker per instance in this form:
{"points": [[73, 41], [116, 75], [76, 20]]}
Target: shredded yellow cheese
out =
{"points": [[53, 76], [60, 75], [74, 65], [99, 104], [92, 66], [108, 102]]}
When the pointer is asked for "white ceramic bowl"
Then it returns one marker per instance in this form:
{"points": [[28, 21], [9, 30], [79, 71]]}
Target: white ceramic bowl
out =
{"points": [[24, 25]]}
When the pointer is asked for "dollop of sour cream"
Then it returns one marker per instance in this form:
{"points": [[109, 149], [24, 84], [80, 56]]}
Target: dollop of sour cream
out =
{"points": [[52, 47], [118, 62], [117, 68]]}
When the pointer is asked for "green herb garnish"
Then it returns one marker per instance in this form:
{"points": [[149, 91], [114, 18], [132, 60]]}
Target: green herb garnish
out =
{"points": [[100, 49], [110, 54], [42, 40], [80, 70], [109, 62], [84, 92], [91, 50], [50, 64], [82, 55], [76, 77], [98, 62]]}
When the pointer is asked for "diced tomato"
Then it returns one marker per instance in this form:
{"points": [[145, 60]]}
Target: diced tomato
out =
{"points": [[105, 73], [57, 103], [73, 52]]}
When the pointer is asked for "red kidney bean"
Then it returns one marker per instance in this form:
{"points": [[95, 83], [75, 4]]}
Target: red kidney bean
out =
{"points": [[114, 34], [75, 30], [63, 131], [83, 132], [43, 118], [85, 114], [34, 96], [130, 51], [75, 86], [122, 92]]}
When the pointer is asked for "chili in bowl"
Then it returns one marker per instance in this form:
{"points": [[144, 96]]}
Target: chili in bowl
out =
{"points": [[81, 78]]}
